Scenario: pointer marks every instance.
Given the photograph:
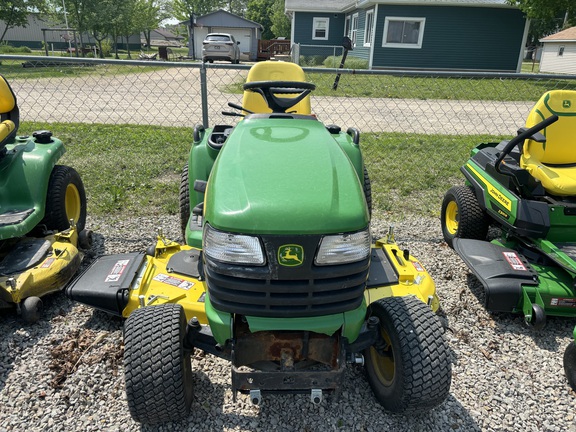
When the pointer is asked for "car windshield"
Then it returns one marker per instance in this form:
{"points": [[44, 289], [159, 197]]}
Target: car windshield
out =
{"points": [[217, 38]]}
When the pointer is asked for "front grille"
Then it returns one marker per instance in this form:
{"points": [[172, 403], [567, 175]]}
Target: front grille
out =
{"points": [[282, 292]]}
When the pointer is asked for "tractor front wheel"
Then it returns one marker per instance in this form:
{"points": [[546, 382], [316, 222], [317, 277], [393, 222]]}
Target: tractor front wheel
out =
{"points": [[409, 368], [462, 216], [65, 200], [158, 370], [31, 309], [570, 364]]}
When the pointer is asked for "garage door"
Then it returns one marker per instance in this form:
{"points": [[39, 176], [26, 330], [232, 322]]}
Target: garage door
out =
{"points": [[241, 35]]}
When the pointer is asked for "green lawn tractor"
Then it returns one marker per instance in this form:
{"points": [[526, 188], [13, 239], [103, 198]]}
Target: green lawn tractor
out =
{"points": [[278, 274], [42, 214], [526, 187]]}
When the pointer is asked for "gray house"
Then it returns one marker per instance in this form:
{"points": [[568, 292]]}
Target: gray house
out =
{"points": [[244, 31], [487, 35]]}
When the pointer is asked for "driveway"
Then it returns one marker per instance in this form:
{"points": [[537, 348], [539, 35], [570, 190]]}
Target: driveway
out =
{"points": [[172, 97]]}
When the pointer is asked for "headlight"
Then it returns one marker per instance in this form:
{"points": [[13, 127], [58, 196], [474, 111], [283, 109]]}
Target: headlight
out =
{"points": [[343, 248], [232, 248]]}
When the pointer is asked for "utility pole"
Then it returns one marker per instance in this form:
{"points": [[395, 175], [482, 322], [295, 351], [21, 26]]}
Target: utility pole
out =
{"points": [[67, 32]]}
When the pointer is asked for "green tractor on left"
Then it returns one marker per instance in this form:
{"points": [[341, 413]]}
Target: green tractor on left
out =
{"points": [[42, 214]]}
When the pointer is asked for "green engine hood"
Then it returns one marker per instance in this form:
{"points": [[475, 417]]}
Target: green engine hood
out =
{"points": [[284, 176]]}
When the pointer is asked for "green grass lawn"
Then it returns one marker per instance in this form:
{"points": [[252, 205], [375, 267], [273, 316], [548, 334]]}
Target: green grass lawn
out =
{"points": [[135, 170]]}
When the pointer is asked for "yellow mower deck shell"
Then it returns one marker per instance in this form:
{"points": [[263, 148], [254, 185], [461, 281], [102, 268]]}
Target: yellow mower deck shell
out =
{"points": [[49, 275], [157, 285]]}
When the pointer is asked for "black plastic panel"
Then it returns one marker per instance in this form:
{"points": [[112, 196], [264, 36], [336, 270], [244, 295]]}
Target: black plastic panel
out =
{"points": [[106, 282], [501, 271]]}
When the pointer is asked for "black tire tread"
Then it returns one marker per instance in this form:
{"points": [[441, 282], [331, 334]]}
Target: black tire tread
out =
{"points": [[473, 223], [184, 199], [424, 356], [55, 217], [157, 383], [570, 364], [368, 190]]}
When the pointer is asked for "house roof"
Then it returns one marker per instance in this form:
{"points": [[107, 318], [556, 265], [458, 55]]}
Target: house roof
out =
{"points": [[345, 5], [222, 18], [167, 34], [568, 35]]}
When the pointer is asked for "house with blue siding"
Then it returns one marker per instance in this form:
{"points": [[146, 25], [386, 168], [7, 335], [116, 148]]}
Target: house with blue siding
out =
{"points": [[476, 35]]}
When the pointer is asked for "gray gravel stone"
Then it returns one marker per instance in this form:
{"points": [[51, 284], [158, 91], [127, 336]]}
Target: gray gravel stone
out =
{"points": [[505, 377]]}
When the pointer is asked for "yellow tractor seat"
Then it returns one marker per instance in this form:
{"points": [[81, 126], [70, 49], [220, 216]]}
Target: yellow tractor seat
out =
{"points": [[9, 118], [553, 162], [274, 71]]}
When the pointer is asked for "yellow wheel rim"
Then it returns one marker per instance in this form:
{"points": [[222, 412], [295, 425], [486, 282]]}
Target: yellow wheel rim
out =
{"points": [[384, 365], [73, 203], [451, 218]]}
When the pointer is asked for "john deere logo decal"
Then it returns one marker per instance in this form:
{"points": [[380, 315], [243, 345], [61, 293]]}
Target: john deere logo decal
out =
{"points": [[566, 103], [290, 255]]}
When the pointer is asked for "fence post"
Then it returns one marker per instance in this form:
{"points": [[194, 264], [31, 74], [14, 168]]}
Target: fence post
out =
{"points": [[204, 94]]}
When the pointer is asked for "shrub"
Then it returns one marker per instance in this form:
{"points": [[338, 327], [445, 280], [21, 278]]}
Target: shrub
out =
{"points": [[9, 49], [351, 62], [315, 60]]}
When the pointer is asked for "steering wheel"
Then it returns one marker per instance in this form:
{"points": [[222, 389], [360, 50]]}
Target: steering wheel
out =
{"points": [[269, 89]]}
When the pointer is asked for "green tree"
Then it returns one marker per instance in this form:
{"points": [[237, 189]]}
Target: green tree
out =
{"points": [[14, 13], [547, 17], [183, 9], [149, 13], [280, 23], [260, 11], [547, 10], [237, 7]]}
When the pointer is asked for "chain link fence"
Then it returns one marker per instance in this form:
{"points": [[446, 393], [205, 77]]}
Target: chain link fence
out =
{"points": [[172, 94], [450, 105]]}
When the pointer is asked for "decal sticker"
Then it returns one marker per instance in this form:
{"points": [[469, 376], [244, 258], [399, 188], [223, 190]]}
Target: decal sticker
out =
{"points": [[492, 191], [290, 255], [514, 261], [563, 302], [418, 266], [566, 103], [174, 281], [499, 196], [202, 298], [48, 263], [117, 270]]}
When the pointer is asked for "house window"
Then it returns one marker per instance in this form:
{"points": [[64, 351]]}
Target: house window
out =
{"points": [[347, 26], [561, 51], [320, 28], [400, 32], [354, 29], [369, 28]]}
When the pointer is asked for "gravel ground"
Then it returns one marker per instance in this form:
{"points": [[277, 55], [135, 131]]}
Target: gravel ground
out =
{"points": [[65, 372]]}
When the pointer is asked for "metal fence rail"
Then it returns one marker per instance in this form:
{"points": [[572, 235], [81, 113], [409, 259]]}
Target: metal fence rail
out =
{"points": [[184, 94]]}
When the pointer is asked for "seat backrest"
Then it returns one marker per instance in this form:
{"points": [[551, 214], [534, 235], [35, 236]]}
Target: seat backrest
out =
{"points": [[560, 145], [9, 118], [274, 71]]}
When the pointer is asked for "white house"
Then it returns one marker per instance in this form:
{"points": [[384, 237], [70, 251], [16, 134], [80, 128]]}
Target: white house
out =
{"points": [[559, 52]]}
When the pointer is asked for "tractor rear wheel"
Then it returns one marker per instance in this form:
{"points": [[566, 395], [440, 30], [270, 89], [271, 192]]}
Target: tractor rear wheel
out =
{"points": [[65, 200], [409, 369], [158, 370], [462, 216], [570, 364], [184, 201], [368, 191]]}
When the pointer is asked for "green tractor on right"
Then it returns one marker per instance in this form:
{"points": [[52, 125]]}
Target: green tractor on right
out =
{"points": [[527, 188]]}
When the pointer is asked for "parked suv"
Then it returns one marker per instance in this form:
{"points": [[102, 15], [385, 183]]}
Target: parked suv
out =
{"points": [[220, 46]]}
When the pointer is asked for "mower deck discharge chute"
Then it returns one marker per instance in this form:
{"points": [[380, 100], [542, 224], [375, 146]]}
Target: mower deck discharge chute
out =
{"points": [[278, 274], [42, 214], [527, 188]]}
